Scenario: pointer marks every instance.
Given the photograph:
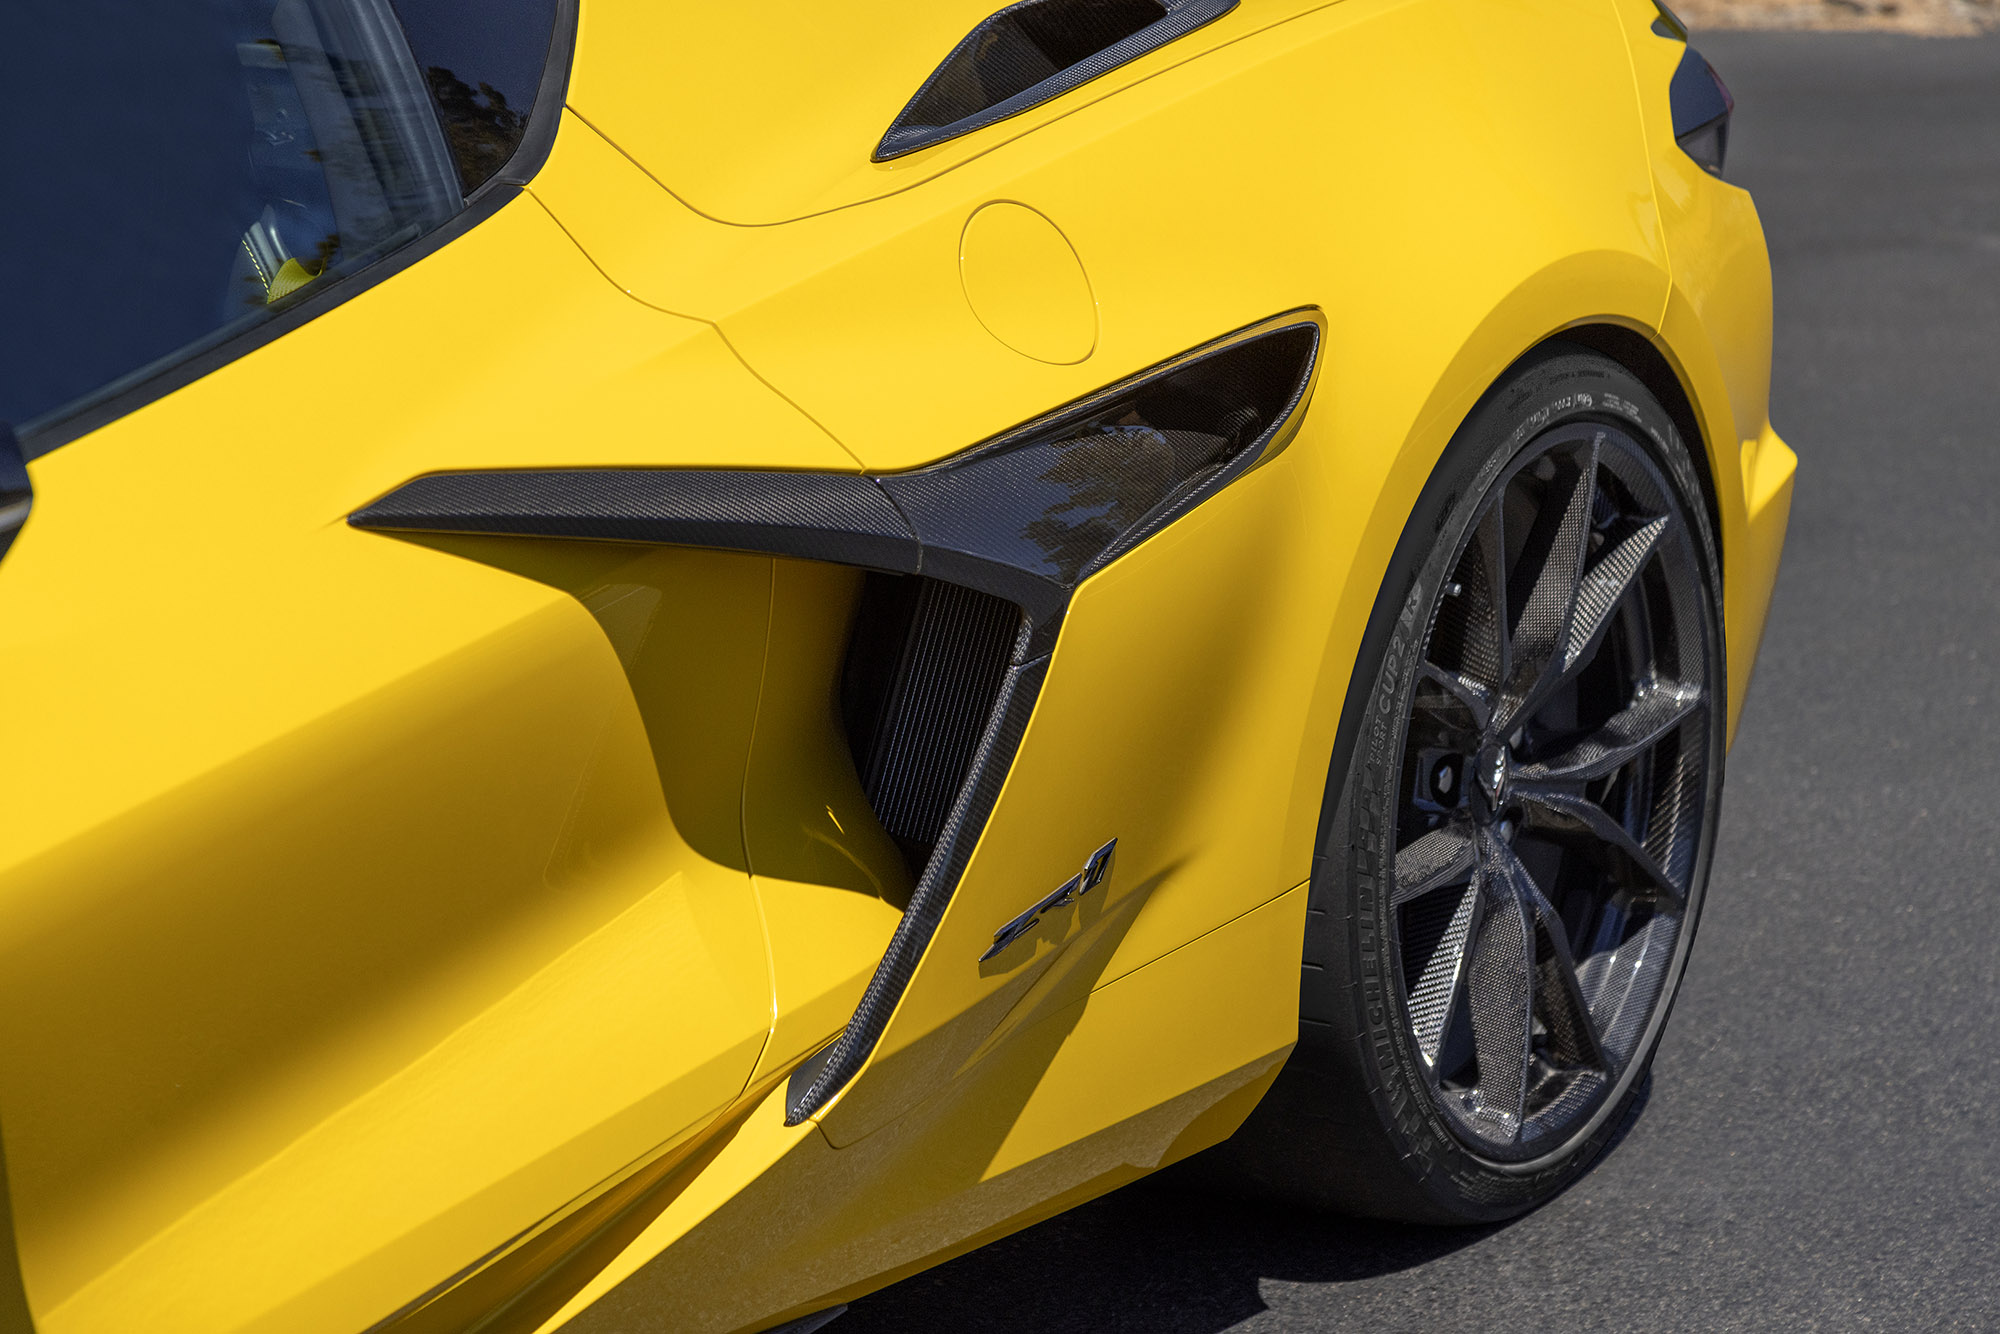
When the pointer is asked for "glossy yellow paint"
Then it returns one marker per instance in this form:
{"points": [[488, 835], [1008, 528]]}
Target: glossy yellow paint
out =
{"points": [[1769, 466], [1184, 763], [1025, 283], [1137, 1074], [380, 916], [830, 307], [1716, 329], [854, 311], [363, 908], [831, 884], [406, 805], [1408, 353], [765, 115]]}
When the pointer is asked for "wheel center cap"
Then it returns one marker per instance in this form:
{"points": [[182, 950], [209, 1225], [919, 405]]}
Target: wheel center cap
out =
{"points": [[1491, 768]]}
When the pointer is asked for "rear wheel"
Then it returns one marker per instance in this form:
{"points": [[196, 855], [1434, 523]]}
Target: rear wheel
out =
{"points": [[1519, 815]]}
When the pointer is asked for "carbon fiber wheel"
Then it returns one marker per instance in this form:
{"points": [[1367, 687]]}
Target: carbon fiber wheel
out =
{"points": [[1554, 761], [1519, 816]]}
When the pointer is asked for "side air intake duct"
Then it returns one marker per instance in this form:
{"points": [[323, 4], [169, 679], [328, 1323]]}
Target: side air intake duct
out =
{"points": [[1033, 51], [973, 562], [924, 664]]}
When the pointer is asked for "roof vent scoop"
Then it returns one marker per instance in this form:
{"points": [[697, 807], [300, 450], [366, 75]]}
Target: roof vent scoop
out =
{"points": [[1033, 51]]}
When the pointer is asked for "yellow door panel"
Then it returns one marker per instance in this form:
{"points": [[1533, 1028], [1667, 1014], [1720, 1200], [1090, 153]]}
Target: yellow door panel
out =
{"points": [[370, 901], [387, 964], [506, 349]]}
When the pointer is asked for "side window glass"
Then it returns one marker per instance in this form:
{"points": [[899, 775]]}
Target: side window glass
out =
{"points": [[483, 68], [180, 170], [341, 156]]}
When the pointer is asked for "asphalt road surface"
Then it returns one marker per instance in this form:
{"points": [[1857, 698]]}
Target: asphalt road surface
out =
{"points": [[1820, 1146]]}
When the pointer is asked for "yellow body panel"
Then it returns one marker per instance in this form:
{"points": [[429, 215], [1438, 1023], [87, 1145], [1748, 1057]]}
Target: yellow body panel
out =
{"points": [[1138, 1074], [1177, 763], [1025, 284], [1716, 329], [768, 115], [363, 913], [859, 315], [391, 926], [831, 884]]}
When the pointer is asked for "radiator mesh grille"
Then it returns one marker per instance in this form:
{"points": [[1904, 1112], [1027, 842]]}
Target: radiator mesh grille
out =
{"points": [[938, 703]]}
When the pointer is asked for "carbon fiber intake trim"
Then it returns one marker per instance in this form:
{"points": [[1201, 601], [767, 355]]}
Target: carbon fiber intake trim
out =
{"points": [[1031, 52], [836, 517], [1032, 513], [1025, 516], [962, 828]]}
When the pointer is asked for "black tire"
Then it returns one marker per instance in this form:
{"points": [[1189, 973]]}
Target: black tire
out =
{"points": [[1381, 1110]]}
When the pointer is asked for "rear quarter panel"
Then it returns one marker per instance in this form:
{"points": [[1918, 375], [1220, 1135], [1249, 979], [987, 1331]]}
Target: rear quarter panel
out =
{"points": [[1451, 183]]}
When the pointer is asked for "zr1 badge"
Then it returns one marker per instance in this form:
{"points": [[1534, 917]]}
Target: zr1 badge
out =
{"points": [[1094, 873]]}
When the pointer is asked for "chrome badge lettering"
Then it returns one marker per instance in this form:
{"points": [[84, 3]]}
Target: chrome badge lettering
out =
{"points": [[1094, 873]]}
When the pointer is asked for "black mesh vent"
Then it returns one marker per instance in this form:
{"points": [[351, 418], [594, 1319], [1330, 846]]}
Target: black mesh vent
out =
{"points": [[1033, 51], [923, 669]]}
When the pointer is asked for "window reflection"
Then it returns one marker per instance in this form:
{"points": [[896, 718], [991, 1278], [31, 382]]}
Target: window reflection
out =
{"points": [[183, 169], [1110, 480]]}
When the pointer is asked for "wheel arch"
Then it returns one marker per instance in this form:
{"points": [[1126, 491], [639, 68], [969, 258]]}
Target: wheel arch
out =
{"points": [[1542, 312], [1643, 358], [1744, 470]]}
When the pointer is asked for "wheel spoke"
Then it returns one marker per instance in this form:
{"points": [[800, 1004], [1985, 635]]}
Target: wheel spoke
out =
{"points": [[1434, 993], [1577, 819], [1486, 608], [1441, 857], [1476, 698], [1501, 1002], [1628, 734], [1563, 694], [1604, 587], [1558, 992], [1541, 634]]}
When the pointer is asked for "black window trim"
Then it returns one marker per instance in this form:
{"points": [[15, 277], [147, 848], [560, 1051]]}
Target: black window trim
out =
{"points": [[543, 121]]}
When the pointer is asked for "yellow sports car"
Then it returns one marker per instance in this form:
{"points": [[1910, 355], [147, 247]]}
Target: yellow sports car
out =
{"points": [[667, 660]]}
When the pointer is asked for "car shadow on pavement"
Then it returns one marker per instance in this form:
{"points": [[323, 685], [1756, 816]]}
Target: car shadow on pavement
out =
{"points": [[1168, 1255]]}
